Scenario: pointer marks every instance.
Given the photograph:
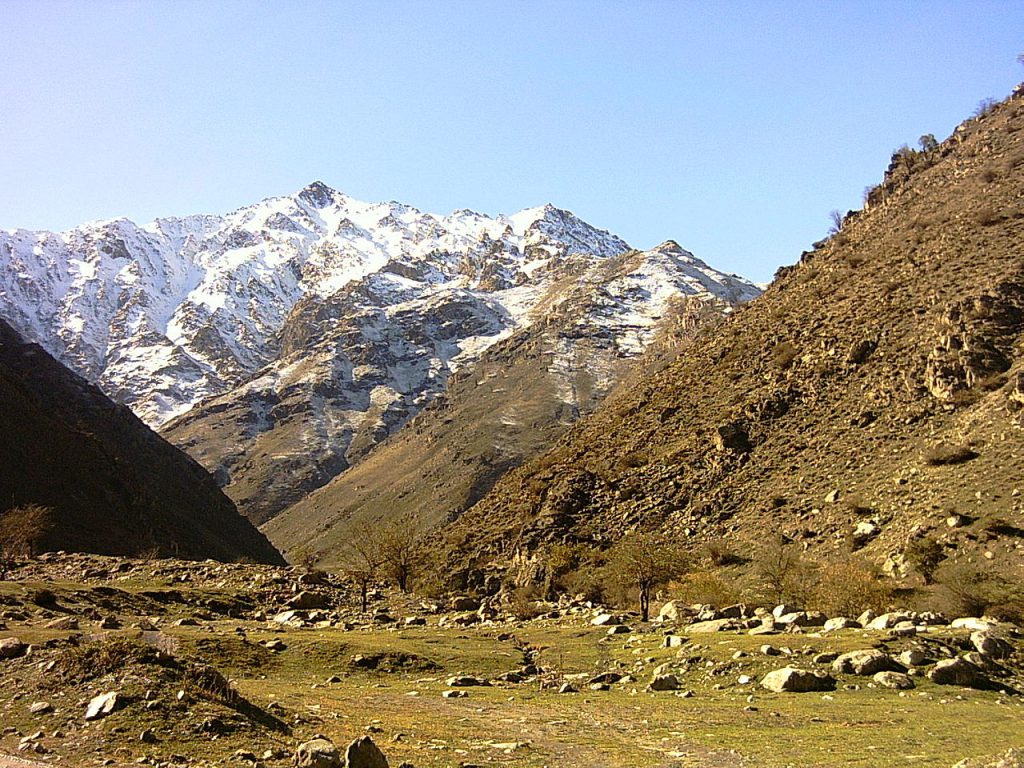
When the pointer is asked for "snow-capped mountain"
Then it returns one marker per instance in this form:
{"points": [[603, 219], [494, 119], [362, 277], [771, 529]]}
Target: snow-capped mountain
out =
{"points": [[310, 327]]}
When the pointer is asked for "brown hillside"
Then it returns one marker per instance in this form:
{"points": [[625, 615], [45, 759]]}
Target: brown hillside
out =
{"points": [[878, 381], [114, 485]]}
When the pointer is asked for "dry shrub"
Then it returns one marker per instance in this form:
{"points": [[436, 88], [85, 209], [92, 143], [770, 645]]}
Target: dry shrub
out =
{"points": [[986, 216], [721, 554], [965, 589], [783, 355], [706, 587], [847, 589], [524, 602]]}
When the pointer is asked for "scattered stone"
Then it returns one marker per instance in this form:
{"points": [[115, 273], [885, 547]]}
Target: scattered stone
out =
{"points": [[865, 662], [797, 681], [319, 752], [454, 694], [66, 623], [567, 688], [604, 619], [770, 650], [784, 609], [109, 622], [414, 621], [103, 705], [895, 680], [825, 658], [673, 641], [275, 645], [607, 678], [619, 629], [41, 708], [148, 736]]}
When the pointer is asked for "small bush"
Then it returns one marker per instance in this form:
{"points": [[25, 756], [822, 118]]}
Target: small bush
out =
{"points": [[924, 556], [524, 602], [985, 107], [986, 216], [848, 588], [706, 587], [783, 354]]}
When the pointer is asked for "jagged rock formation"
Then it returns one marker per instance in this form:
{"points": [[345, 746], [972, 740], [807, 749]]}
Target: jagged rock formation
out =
{"points": [[513, 403], [115, 487], [870, 393], [280, 343]]}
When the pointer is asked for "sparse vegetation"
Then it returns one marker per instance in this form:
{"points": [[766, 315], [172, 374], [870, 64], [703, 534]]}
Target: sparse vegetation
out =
{"points": [[22, 530]]}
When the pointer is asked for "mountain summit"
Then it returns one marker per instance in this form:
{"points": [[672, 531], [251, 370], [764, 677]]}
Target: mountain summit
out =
{"points": [[280, 343]]}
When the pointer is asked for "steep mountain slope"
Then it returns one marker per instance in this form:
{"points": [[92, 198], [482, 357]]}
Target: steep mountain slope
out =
{"points": [[872, 392], [115, 486], [521, 395], [303, 329]]}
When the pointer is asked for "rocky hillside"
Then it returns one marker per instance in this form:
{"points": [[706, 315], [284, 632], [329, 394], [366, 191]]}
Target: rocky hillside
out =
{"points": [[514, 402], [114, 486], [869, 398], [290, 337]]}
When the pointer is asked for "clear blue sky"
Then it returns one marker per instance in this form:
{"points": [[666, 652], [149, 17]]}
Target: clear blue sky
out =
{"points": [[732, 127]]}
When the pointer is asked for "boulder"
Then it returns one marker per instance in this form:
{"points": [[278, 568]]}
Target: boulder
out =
{"points": [[865, 662], [840, 622], [701, 627], [665, 682], [895, 680], [464, 603], [464, 681], [890, 620], [973, 624], [11, 647], [912, 658], [604, 619], [103, 705], [307, 601], [796, 680], [673, 641], [956, 672], [363, 753], [606, 678], [783, 609], [991, 645], [67, 623], [318, 752], [674, 610], [619, 629]]}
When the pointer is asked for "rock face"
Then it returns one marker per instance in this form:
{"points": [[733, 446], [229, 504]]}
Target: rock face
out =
{"points": [[112, 484], [796, 680], [817, 380], [310, 327]]}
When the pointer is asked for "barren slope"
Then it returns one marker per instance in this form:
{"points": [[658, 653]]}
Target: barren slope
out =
{"points": [[842, 396]]}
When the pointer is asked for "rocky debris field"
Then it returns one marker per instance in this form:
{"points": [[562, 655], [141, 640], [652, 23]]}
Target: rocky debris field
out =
{"points": [[108, 661]]}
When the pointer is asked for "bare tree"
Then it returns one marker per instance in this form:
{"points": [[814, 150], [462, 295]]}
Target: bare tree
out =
{"points": [[399, 549], [781, 570], [366, 556], [836, 217], [22, 530], [644, 561]]}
